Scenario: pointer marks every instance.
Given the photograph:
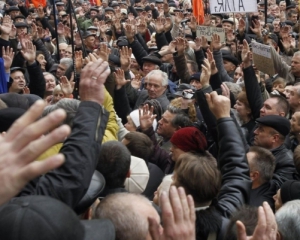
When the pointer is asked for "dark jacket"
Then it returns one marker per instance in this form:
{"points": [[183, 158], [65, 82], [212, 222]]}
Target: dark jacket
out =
{"points": [[236, 183], [41, 47], [70, 182]]}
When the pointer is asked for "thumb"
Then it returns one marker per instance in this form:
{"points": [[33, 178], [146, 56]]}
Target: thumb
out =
{"points": [[241, 231], [208, 99]]}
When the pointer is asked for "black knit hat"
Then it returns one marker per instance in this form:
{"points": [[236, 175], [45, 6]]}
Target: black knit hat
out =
{"points": [[290, 190]]}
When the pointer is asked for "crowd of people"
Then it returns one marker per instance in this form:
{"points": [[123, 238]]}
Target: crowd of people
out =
{"points": [[118, 120]]}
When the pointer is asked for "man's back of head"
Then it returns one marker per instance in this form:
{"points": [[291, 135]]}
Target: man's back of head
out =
{"points": [[114, 163], [288, 218], [129, 213]]}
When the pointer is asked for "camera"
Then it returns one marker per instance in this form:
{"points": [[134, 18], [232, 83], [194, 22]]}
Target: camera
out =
{"points": [[187, 95]]}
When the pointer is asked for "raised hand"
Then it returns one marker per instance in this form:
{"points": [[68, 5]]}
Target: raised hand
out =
{"points": [[6, 26], [40, 12], [60, 29], [168, 24], [180, 45], [218, 105], [198, 44], [178, 217], [78, 60], [206, 73], [78, 41], [206, 20], [245, 49], [266, 227], [120, 79], [13, 32], [142, 28], [125, 58], [192, 24], [8, 56], [67, 86], [211, 60], [230, 36], [146, 117], [26, 90], [22, 144], [216, 42], [130, 33], [178, 17], [29, 20], [28, 52], [159, 25], [257, 27], [92, 79], [286, 43], [103, 52], [225, 90]]}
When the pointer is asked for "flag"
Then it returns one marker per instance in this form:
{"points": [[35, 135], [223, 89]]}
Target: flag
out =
{"points": [[198, 11], [38, 3]]}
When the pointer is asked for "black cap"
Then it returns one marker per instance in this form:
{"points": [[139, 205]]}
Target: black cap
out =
{"points": [[13, 69], [114, 4], [139, 9], [94, 9], [121, 42], [278, 123], [274, 37], [114, 59], [172, 4], [109, 9], [92, 28], [159, 1], [152, 59], [21, 24], [19, 16], [290, 6], [290, 190], [147, 8], [230, 58], [88, 34], [195, 76], [218, 15], [182, 87], [35, 216], [108, 32], [8, 116], [12, 8], [290, 23]]}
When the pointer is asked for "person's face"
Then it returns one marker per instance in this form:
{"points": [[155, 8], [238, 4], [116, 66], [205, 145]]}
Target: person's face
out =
{"points": [[134, 64], [213, 22], [294, 99], [274, 11], [62, 52], [50, 83], [93, 13], [218, 20], [110, 14], [295, 65], [154, 86], [295, 123], [195, 83], [282, 6], [21, 30], [68, 53], [104, 4], [242, 109], [130, 125], [165, 128], [42, 61], [276, 26], [61, 70], [90, 42], [148, 67], [60, 8], [279, 87], [95, 22], [269, 107], [229, 66], [13, 14], [277, 199], [175, 152], [85, 7], [293, 18], [238, 73], [287, 91], [227, 26], [263, 137], [18, 81], [57, 95]]}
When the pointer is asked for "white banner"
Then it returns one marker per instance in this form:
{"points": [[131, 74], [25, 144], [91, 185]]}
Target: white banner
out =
{"points": [[209, 31], [232, 6]]}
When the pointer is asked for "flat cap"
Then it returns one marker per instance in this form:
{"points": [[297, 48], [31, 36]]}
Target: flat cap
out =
{"points": [[290, 6], [88, 34], [230, 58], [12, 8], [94, 9], [152, 59], [278, 123], [195, 76], [109, 9], [59, 4], [21, 24]]}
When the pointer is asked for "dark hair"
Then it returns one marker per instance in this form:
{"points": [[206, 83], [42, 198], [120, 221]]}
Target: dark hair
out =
{"points": [[282, 104], [198, 175], [194, 65], [181, 119], [263, 162], [291, 13], [114, 163], [140, 145], [248, 216], [39, 53]]}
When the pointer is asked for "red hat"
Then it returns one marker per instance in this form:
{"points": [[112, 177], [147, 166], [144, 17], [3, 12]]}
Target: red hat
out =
{"points": [[189, 139]]}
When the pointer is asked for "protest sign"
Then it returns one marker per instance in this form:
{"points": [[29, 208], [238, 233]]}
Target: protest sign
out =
{"points": [[262, 58], [232, 6], [209, 31]]}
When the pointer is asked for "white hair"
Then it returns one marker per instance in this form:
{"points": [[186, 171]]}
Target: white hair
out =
{"points": [[163, 75], [288, 218], [66, 61]]}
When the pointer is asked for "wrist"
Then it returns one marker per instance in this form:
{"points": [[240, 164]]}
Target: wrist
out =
{"points": [[30, 62]]}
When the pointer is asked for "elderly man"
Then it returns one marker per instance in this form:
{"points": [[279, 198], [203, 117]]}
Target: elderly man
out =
{"points": [[270, 134]]}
